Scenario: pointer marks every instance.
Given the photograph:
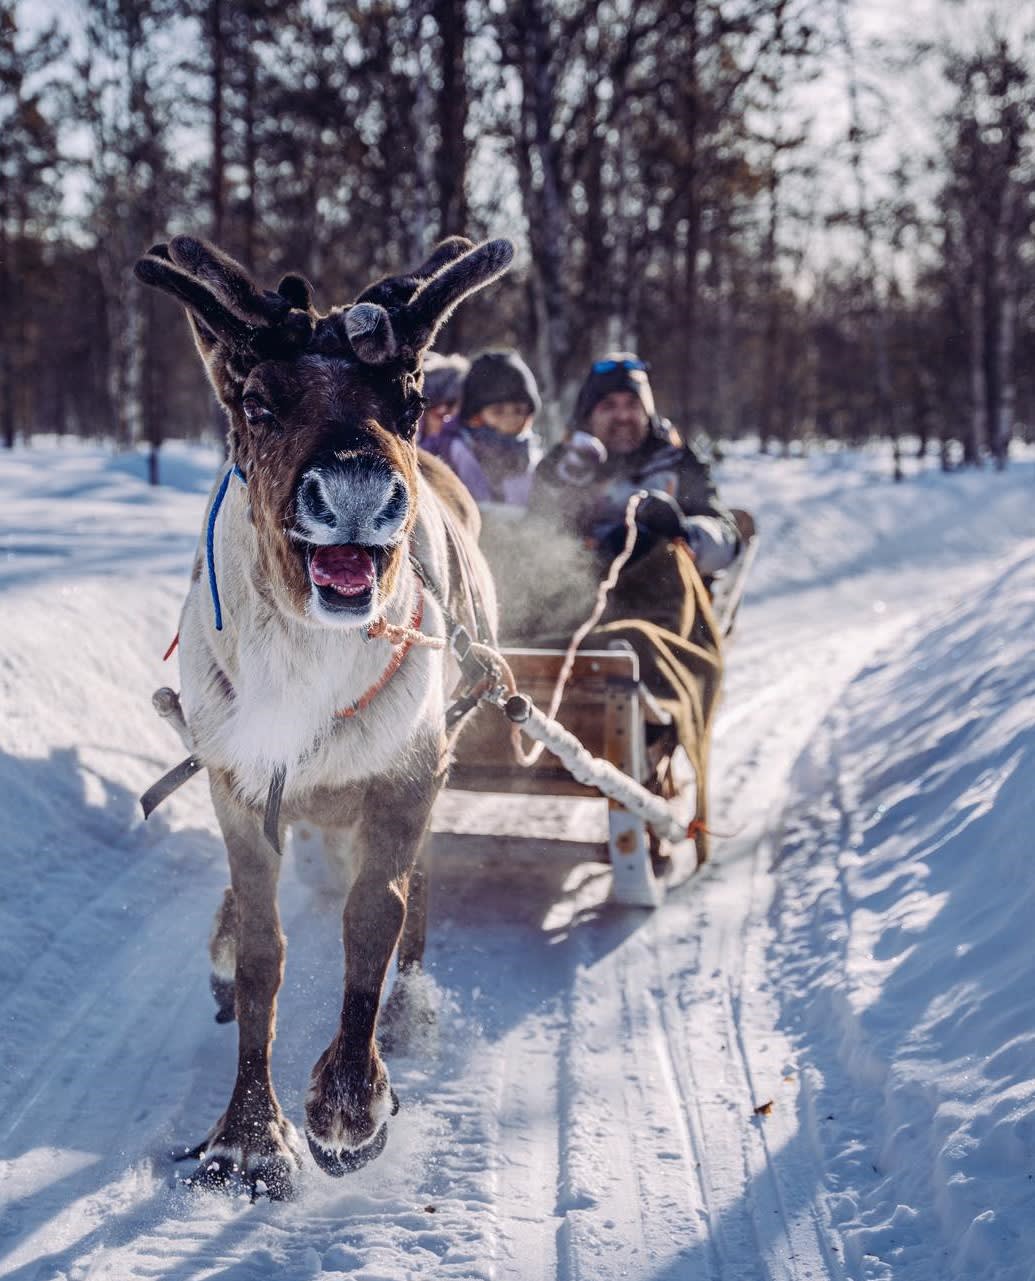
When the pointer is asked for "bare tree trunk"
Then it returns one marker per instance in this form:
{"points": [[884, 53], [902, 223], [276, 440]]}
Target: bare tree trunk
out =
{"points": [[691, 123], [887, 412], [215, 34], [771, 332], [926, 427], [1006, 299], [7, 373], [624, 275], [452, 110], [595, 294], [419, 220], [975, 435], [149, 352], [122, 333], [543, 201], [251, 158]]}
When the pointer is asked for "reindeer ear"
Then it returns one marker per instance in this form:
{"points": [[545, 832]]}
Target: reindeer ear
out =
{"points": [[394, 292], [297, 290], [445, 252], [161, 273], [369, 329]]}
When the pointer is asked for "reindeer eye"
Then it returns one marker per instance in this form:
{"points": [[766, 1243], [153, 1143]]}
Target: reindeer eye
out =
{"points": [[256, 412]]}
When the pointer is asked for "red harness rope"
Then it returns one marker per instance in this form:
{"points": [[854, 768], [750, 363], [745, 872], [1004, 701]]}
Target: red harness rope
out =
{"points": [[404, 638]]}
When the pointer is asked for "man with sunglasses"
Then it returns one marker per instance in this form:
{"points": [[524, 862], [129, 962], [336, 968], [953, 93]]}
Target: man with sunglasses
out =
{"points": [[618, 445]]}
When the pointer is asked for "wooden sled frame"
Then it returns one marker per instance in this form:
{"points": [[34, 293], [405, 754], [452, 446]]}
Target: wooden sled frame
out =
{"points": [[609, 710]]}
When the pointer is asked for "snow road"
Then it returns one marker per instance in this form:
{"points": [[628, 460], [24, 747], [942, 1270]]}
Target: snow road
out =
{"points": [[588, 1107]]}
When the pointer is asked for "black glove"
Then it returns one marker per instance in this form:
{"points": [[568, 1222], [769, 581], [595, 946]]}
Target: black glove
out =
{"points": [[659, 513], [657, 518]]}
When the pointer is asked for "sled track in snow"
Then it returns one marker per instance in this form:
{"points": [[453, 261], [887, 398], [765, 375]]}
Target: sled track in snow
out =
{"points": [[663, 1171]]}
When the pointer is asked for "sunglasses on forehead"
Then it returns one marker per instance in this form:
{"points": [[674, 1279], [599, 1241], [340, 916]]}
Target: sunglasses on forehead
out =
{"points": [[606, 366]]}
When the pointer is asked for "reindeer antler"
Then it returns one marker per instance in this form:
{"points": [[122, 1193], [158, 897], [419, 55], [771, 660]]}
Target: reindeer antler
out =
{"points": [[398, 317], [395, 319], [226, 305]]}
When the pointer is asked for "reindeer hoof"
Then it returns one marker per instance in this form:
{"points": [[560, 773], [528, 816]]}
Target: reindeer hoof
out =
{"points": [[274, 1178], [270, 1176], [190, 1154], [223, 992], [349, 1160]]}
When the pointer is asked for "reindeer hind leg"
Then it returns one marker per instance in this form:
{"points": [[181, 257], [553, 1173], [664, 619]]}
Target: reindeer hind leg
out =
{"points": [[222, 950], [407, 1021]]}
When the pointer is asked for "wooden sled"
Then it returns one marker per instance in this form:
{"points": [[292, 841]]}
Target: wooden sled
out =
{"points": [[606, 706]]}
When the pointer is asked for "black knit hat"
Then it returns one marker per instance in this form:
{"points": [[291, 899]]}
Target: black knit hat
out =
{"points": [[617, 371], [497, 376], [444, 377]]}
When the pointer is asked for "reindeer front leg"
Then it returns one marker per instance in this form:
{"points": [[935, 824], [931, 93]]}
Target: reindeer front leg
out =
{"points": [[350, 1098], [253, 1141]]}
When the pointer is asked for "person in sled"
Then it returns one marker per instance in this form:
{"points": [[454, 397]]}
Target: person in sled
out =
{"points": [[490, 444], [619, 445], [443, 383]]}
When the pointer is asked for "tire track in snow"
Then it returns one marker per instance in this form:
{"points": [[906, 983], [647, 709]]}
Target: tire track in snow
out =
{"points": [[759, 1207], [602, 1234], [529, 1104]]}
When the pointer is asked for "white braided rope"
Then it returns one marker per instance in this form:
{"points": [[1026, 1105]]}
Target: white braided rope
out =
{"points": [[592, 771]]}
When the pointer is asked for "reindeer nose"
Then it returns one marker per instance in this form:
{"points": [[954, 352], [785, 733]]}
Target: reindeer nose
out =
{"points": [[352, 500], [394, 508], [312, 503]]}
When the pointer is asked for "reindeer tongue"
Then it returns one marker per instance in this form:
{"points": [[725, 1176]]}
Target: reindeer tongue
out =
{"points": [[349, 569]]}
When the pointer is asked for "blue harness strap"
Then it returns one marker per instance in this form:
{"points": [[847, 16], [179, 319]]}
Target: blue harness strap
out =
{"points": [[210, 540], [176, 777]]}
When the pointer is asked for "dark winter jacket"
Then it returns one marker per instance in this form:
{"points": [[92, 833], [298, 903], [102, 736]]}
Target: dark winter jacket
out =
{"points": [[596, 511]]}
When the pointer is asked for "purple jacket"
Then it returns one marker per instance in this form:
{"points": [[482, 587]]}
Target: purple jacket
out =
{"points": [[495, 468]]}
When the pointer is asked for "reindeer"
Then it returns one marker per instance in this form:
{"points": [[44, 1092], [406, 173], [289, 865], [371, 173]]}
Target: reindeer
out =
{"points": [[326, 529]]}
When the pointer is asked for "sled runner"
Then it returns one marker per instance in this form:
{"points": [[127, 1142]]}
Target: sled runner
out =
{"points": [[603, 743]]}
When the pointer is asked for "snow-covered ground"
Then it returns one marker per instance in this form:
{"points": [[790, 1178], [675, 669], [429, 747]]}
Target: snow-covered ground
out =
{"points": [[859, 954]]}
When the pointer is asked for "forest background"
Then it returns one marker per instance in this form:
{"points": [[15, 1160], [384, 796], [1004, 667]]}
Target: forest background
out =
{"points": [[812, 217]]}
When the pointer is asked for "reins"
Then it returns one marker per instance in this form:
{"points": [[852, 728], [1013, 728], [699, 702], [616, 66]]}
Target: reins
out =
{"points": [[549, 734]]}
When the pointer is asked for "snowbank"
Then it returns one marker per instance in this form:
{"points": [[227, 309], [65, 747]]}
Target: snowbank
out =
{"points": [[905, 924]]}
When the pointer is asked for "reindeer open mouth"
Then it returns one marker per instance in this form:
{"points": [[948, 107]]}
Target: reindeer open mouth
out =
{"points": [[344, 576]]}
